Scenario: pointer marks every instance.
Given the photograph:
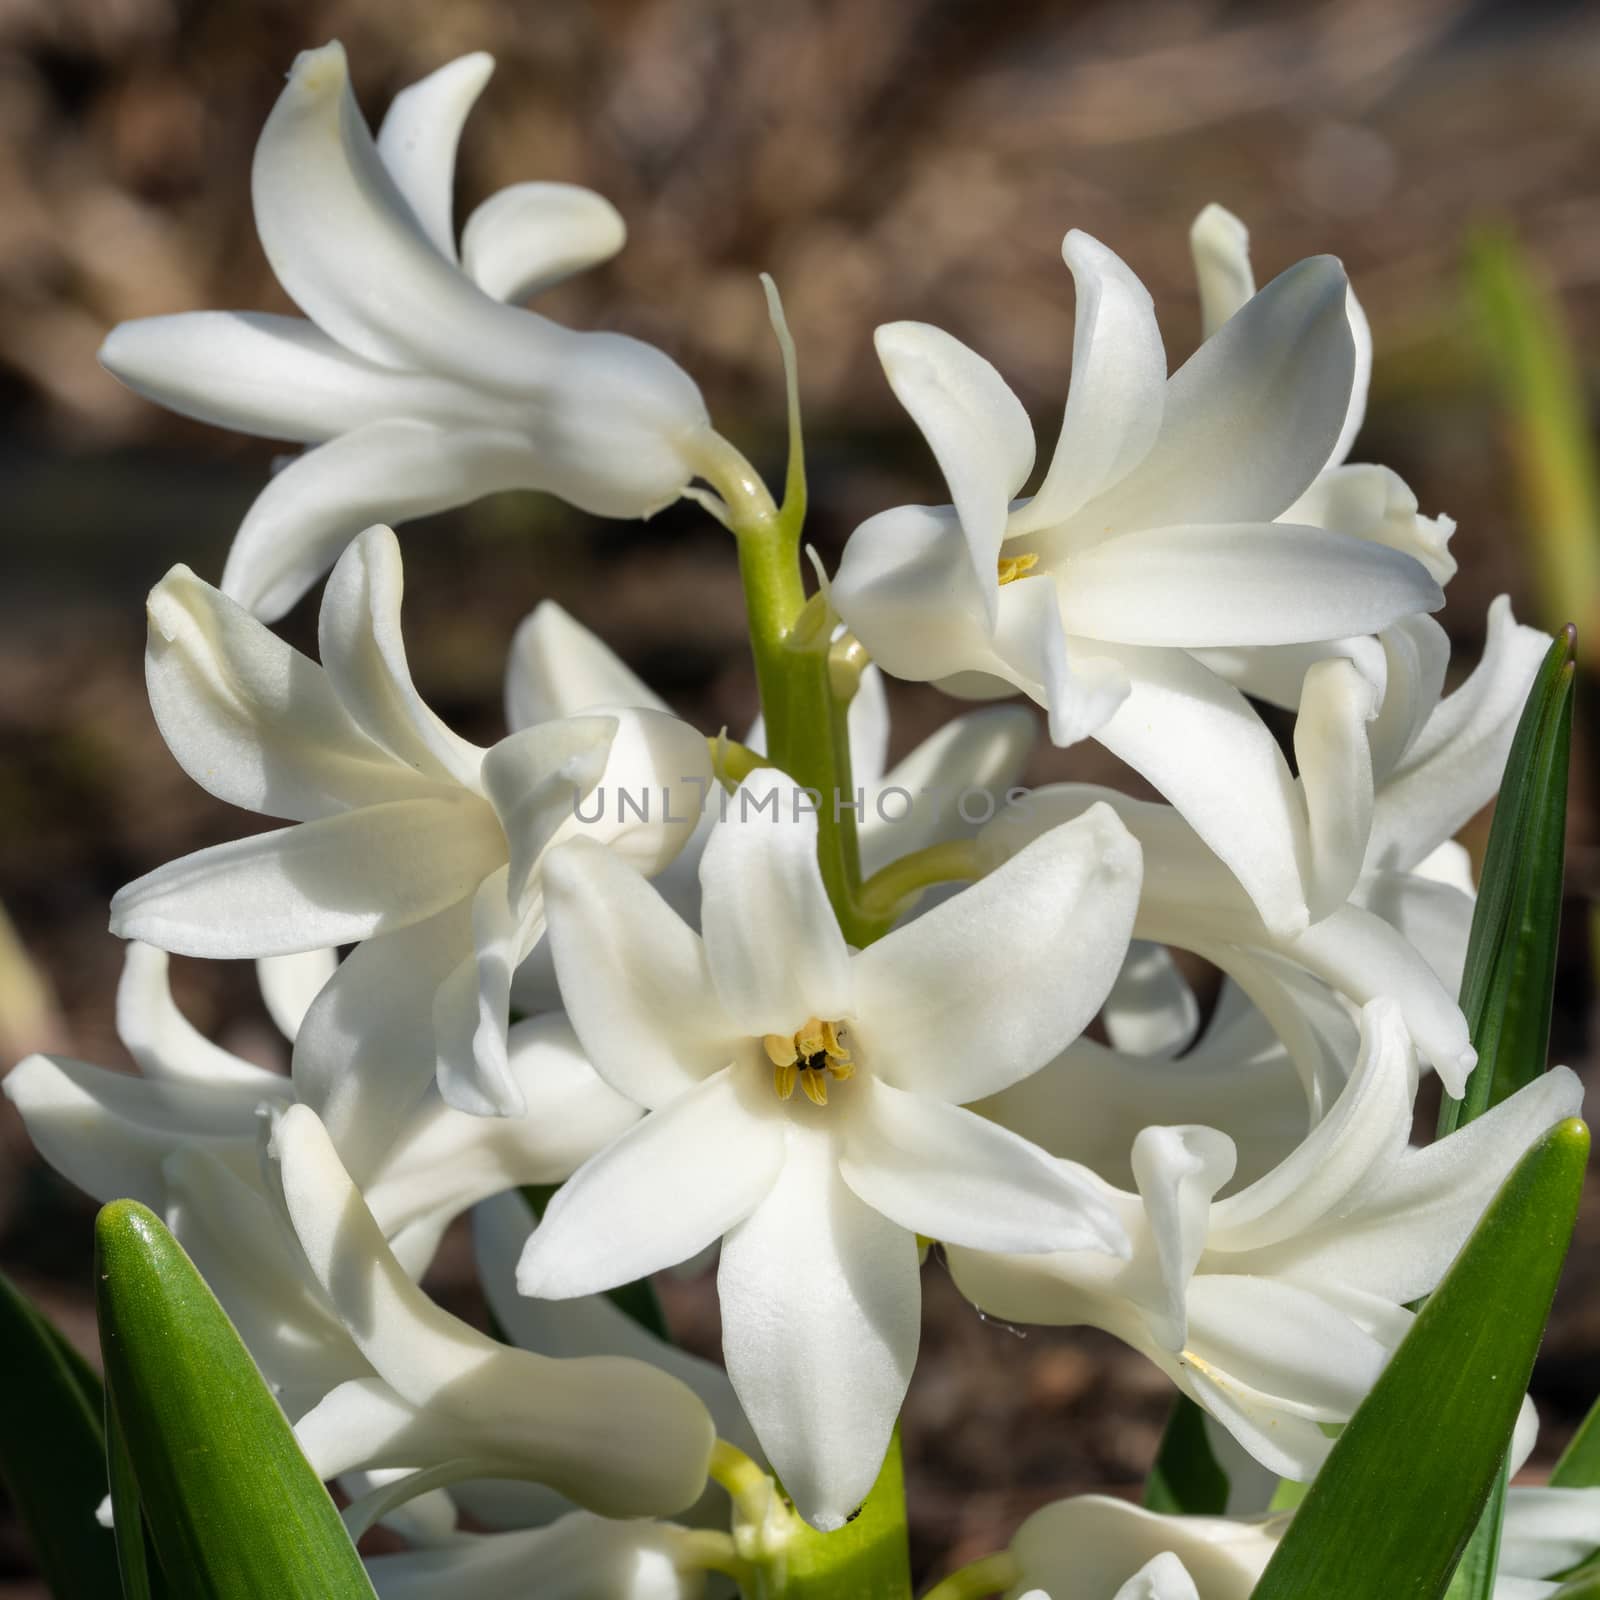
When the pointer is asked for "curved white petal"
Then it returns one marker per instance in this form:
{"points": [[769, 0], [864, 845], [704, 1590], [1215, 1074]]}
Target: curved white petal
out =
{"points": [[163, 1041], [290, 984], [1119, 380], [988, 986], [1199, 742], [364, 655], [1372, 502], [867, 725], [614, 1435], [666, 1189], [633, 977], [558, 668], [1434, 918], [1220, 245], [334, 881], [1361, 379], [1150, 1009], [393, 468], [820, 1318], [250, 719], [365, 1053], [948, 1174], [1548, 1530], [1332, 751], [275, 376], [974, 424], [1454, 765], [1250, 418], [1222, 584], [530, 236], [417, 142], [772, 941]]}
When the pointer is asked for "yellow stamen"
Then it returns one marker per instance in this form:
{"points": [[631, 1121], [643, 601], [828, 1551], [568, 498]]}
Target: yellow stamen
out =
{"points": [[1014, 567], [812, 1055]]}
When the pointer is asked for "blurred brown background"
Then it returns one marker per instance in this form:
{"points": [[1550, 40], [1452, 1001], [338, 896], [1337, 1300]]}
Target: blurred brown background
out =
{"points": [[915, 159]]}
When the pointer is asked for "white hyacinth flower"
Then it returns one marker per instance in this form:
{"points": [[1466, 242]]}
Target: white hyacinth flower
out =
{"points": [[616, 1436], [804, 1104], [419, 386], [183, 1137], [421, 848], [1275, 1307], [1155, 534], [1371, 502]]}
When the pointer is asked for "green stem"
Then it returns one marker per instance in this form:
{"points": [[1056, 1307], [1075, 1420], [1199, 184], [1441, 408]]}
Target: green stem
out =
{"points": [[988, 1576], [895, 888]]}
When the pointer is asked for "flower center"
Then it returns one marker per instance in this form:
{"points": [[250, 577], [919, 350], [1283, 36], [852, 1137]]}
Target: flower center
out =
{"points": [[1014, 567], [808, 1058]]}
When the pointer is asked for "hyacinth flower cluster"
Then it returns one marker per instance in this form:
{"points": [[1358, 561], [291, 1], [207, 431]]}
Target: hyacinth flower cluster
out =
{"points": [[624, 994]]}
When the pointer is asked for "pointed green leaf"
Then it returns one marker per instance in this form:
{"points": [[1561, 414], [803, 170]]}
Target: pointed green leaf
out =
{"points": [[141, 1576], [235, 1511], [1507, 986], [1186, 1476], [1579, 1466], [52, 1451], [1392, 1509]]}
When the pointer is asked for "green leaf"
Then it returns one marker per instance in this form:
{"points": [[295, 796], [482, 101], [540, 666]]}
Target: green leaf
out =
{"points": [[1579, 1466], [1509, 980], [1390, 1513], [235, 1511], [141, 1576], [1186, 1476], [52, 1451]]}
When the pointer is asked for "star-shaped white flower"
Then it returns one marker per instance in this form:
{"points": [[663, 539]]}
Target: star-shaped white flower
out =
{"points": [[424, 850], [420, 387], [1155, 534], [805, 1104]]}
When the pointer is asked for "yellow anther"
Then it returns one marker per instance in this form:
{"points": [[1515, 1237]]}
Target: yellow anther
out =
{"points": [[809, 1057], [1014, 567]]}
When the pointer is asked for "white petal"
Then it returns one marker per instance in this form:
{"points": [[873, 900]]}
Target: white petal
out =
{"points": [[1335, 760], [279, 377], [1375, 503], [1218, 584], [109, 1132], [1198, 741], [771, 937], [820, 1318], [1150, 1009], [365, 1053], [974, 424], [364, 655], [393, 468], [1435, 918], [558, 668], [867, 723], [1119, 380], [664, 1190], [1548, 1530], [633, 977], [963, 770], [614, 1435], [289, 985], [163, 1041], [444, 1160], [1361, 379], [417, 142], [948, 1174], [252, 720], [988, 986], [530, 236], [1163, 1577], [1455, 764], [1251, 417], [329, 882], [1220, 245], [1416, 652]]}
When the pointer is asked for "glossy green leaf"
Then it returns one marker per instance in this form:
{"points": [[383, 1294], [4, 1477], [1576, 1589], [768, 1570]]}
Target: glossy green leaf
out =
{"points": [[1579, 1466], [141, 1575], [1391, 1511], [235, 1511], [52, 1451], [1186, 1476], [1509, 980]]}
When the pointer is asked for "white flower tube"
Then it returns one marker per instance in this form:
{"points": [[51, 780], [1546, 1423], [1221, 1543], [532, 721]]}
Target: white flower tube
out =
{"points": [[805, 1105], [421, 847], [420, 387], [1155, 535]]}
